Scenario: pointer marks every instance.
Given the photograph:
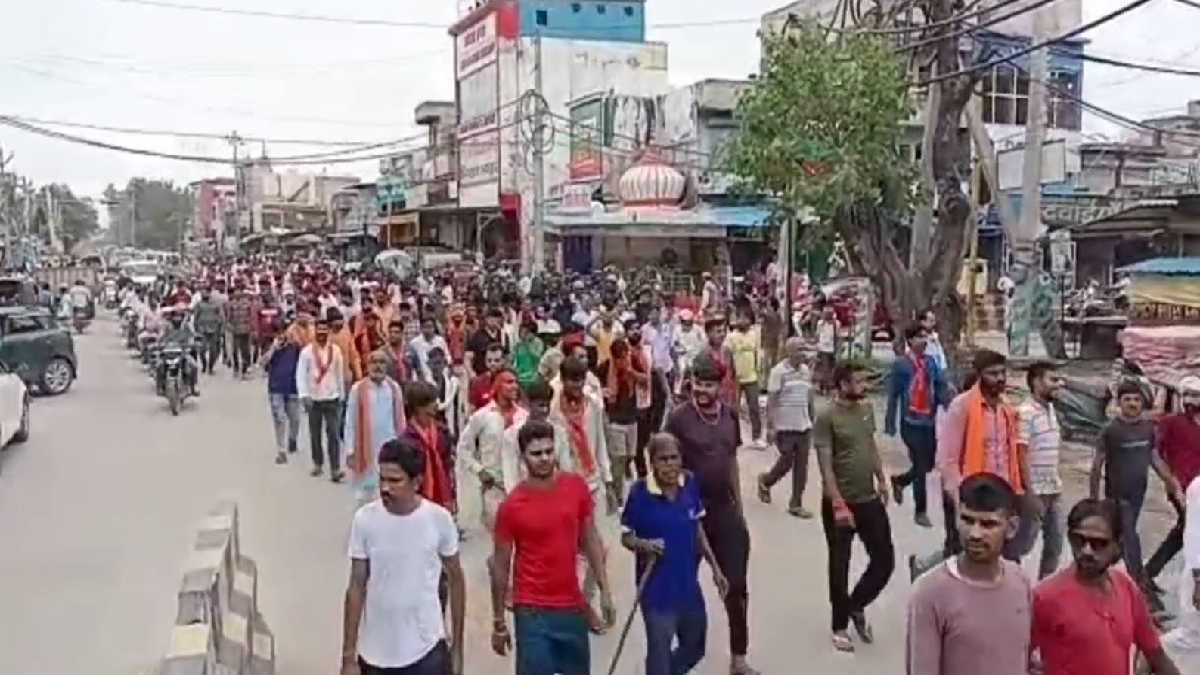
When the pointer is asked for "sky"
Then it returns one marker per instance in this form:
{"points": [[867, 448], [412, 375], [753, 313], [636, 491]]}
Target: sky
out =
{"points": [[123, 64]]}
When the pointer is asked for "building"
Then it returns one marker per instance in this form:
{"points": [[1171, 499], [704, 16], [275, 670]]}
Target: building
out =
{"points": [[289, 200], [212, 199], [503, 50], [1174, 145]]}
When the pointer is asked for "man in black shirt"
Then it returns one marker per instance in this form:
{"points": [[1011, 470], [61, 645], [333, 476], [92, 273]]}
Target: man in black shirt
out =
{"points": [[491, 333]]}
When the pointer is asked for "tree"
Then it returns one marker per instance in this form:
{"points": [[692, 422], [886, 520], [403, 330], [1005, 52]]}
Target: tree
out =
{"points": [[79, 219], [821, 134], [149, 213]]}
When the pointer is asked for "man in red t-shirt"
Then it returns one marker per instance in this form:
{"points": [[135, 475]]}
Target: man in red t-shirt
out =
{"points": [[1088, 617], [538, 529], [1178, 443]]}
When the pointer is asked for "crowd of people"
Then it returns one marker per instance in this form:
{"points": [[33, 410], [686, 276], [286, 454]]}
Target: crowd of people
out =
{"points": [[564, 405]]}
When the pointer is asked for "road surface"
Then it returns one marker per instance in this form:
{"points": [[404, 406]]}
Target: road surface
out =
{"points": [[98, 509]]}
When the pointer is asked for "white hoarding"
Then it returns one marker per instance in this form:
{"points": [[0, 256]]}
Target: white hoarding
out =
{"points": [[477, 97], [475, 46], [479, 170]]}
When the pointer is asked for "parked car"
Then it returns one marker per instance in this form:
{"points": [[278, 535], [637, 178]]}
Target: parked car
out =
{"points": [[38, 349], [14, 408]]}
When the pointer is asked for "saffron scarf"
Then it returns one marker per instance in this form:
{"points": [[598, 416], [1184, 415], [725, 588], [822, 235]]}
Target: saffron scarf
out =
{"points": [[323, 357], [435, 484], [364, 455], [974, 453], [919, 398], [575, 415], [621, 374]]}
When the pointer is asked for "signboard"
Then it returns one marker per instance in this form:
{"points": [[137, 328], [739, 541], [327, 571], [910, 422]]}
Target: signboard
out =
{"points": [[587, 140], [479, 159], [475, 47], [1074, 211], [390, 189], [477, 101], [1062, 254], [1150, 313]]}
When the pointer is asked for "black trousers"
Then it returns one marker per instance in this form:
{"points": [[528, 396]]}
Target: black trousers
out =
{"points": [[874, 530], [241, 353], [730, 541], [1170, 546], [436, 662], [794, 449], [324, 433]]}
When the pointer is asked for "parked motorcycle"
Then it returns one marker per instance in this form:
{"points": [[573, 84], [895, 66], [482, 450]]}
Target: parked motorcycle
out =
{"points": [[171, 376]]}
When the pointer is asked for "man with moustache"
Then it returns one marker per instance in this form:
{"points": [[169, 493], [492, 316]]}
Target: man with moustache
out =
{"points": [[855, 492], [971, 614], [979, 434], [1088, 617], [321, 386], [709, 435], [543, 522], [374, 415], [393, 618]]}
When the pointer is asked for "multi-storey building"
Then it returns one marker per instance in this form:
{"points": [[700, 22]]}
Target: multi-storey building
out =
{"points": [[212, 198], [563, 49]]}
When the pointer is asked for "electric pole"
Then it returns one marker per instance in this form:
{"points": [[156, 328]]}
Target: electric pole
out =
{"points": [[539, 161], [5, 205], [239, 179], [1026, 272]]}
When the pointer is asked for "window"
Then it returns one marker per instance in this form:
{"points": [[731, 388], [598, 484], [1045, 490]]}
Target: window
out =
{"points": [[628, 11], [576, 7], [540, 18], [1062, 109], [18, 324], [601, 9]]}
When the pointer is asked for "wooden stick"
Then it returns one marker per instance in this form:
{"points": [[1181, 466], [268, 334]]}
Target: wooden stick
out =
{"points": [[637, 602]]}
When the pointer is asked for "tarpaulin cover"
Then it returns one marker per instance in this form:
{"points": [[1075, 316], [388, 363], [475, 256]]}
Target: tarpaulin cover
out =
{"points": [[1166, 290], [1165, 353]]}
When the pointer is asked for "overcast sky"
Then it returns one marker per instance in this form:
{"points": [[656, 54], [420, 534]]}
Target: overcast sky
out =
{"points": [[105, 62]]}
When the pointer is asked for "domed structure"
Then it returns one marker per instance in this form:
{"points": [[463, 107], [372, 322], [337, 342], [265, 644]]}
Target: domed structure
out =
{"points": [[651, 183]]}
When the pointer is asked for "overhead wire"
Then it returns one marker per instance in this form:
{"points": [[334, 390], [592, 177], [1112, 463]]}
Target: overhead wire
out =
{"points": [[137, 131], [1013, 56]]}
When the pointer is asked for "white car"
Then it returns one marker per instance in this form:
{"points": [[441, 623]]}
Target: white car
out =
{"points": [[14, 408]]}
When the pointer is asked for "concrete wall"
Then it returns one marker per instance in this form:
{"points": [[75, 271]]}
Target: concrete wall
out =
{"points": [[604, 20]]}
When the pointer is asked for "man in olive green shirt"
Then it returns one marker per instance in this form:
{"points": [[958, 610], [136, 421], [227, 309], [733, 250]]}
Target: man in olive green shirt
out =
{"points": [[854, 502]]}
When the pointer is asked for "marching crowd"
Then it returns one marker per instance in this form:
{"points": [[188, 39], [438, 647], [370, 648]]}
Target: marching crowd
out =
{"points": [[564, 405]]}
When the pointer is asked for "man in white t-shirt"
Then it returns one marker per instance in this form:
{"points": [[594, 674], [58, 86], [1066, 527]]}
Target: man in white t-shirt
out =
{"points": [[403, 563]]}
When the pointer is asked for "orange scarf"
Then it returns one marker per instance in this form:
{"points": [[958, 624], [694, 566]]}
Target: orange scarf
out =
{"points": [[456, 341], [919, 399], [575, 415], [435, 485], [621, 374], [974, 454], [323, 359], [364, 455]]}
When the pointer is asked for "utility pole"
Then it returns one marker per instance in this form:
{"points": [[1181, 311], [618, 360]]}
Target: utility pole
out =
{"points": [[239, 179], [5, 205], [539, 161], [1026, 272], [131, 195]]}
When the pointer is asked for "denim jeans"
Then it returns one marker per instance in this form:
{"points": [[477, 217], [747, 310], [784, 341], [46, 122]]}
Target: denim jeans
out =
{"points": [[921, 443], [1131, 543], [551, 641], [285, 417], [674, 640]]}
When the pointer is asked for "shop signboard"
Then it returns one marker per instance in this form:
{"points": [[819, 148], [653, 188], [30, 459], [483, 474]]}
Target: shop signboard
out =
{"points": [[587, 141], [478, 94], [475, 46]]}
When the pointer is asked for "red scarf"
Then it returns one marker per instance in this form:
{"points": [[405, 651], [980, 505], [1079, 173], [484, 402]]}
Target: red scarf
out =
{"points": [[576, 418], [435, 485], [401, 366], [323, 357], [918, 401], [456, 341]]}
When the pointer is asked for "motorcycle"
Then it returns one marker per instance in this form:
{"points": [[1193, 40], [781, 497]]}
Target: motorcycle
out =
{"points": [[80, 319], [171, 377]]}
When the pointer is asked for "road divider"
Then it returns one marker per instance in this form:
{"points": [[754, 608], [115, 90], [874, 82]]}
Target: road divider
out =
{"points": [[219, 629]]}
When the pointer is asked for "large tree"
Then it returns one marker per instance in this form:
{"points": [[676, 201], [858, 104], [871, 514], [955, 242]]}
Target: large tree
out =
{"points": [[149, 213], [822, 134], [79, 219]]}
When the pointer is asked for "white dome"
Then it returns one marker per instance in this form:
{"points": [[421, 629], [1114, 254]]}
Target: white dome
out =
{"points": [[650, 182]]}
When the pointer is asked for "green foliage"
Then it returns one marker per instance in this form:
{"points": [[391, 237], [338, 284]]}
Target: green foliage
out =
{"points": [[80, 219], [149, 213], [821, 130]]}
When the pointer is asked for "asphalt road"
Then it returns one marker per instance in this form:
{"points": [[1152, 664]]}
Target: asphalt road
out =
{"points": [[98, 509]]}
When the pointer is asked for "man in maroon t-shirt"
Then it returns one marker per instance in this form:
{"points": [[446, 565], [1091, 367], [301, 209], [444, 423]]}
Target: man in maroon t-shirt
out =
{"points": [[538, 529], [1178, 443]]}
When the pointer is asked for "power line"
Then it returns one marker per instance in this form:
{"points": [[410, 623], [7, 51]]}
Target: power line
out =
{"points": [[262, 14], [137, 131], [973, 28], [155, 67], [1009, 58]]}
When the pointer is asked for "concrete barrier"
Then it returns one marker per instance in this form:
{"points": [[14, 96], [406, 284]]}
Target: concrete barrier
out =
{"points": [[218, 628]]}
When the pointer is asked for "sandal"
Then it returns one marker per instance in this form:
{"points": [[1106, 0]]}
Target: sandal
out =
{"points": [[842, 642], [800, 512], [764, 492]]}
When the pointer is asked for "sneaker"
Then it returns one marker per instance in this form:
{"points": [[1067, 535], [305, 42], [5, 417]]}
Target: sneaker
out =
{"points": [[897, 489], [862, 627], [316, 471], [922, 520], [281, 457], [842, 642]]}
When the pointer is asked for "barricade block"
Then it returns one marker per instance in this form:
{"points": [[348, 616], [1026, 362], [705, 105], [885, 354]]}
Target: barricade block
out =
{"points": [[218, 627]]}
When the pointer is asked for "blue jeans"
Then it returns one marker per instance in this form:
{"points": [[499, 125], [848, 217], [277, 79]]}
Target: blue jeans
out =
{"points": [[1131, 543], [921, 443], [674, 640], [551, 641], [1052, 525], [285, 418]]}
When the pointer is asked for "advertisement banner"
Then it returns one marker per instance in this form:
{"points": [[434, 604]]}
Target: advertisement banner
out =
{"points": [[477, 97], [475, 47], [479, 170], [587, 152]]}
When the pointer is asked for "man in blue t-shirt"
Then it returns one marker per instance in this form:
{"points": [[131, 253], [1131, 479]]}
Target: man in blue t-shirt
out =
{"points": [[661, 525]]}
